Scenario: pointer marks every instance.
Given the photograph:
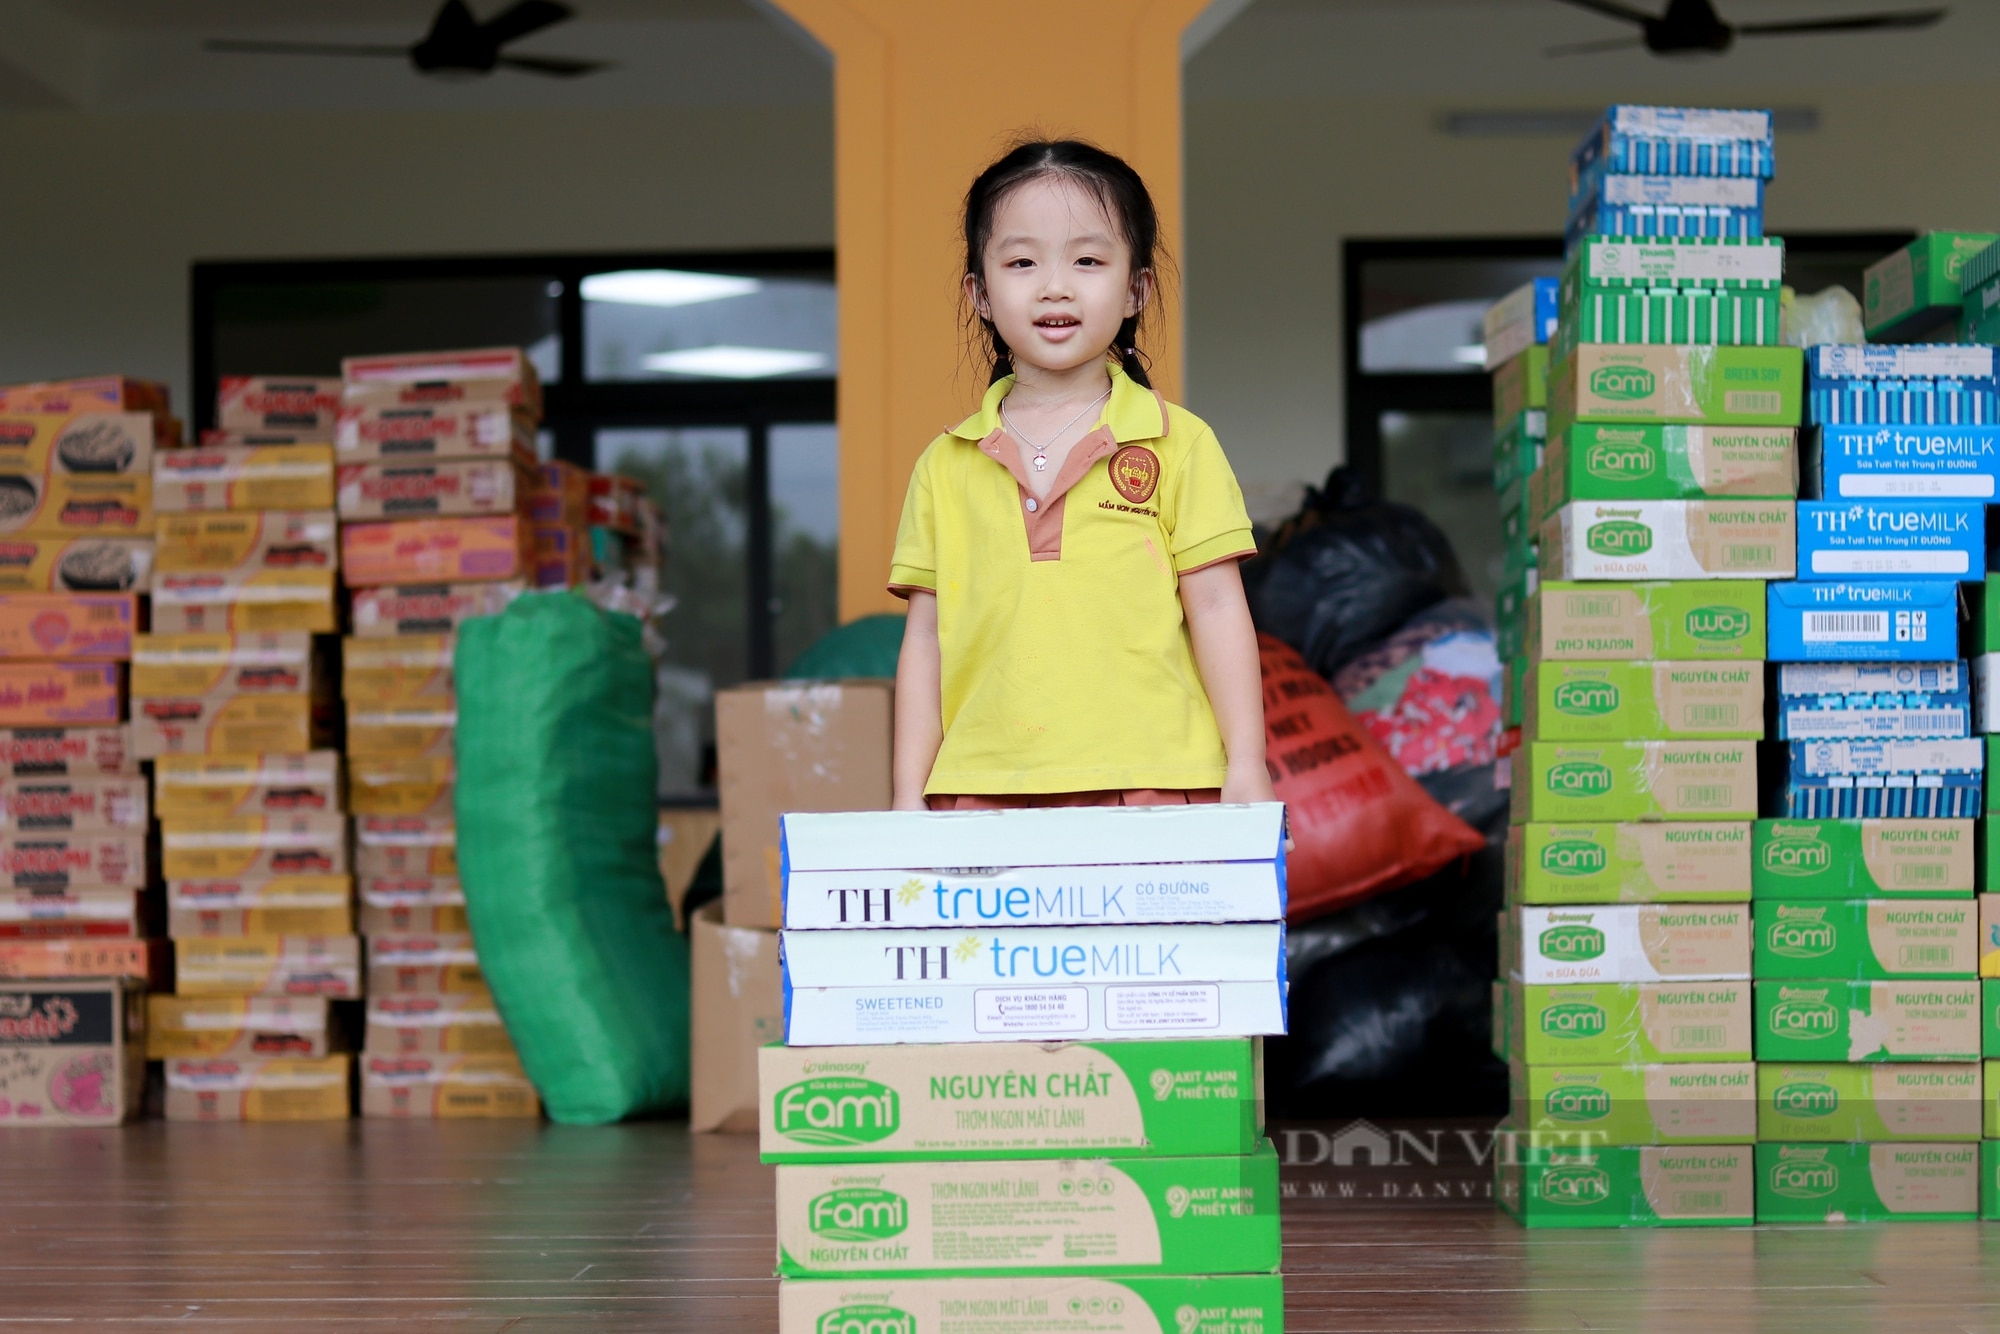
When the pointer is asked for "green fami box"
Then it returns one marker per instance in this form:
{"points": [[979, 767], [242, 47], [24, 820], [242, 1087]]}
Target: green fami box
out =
{"points": [[1691, 1103], [1989, 1017], [1857, 859], [1576, 1186], [1645, 461], [1514, 686], [1866, 940], [1989, 1180], [1990, 1119], [1659, 862], [966, 1101], [1085, 1216], [1868, 1021], [1629, 1023], [1035, 1304], [1618, 781], [1520, 383], [1867, 1183], [1510, 614], [1617, 701], [1517, 446], [1676, 620], [1689, 384], [1502, 1020], [1667, 315], [1916, 291], [1867, 1103]]}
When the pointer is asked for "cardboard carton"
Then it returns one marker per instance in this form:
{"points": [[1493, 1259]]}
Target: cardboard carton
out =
{"points": [[1613, 781], [738, 1007], [1524, 317], [93, 393], [1554, 1185], [1164, 1215], [1670, 539], [1629, 1023], [1634, 943], [387, 671], [76, 505], [60, 695], [1865, 700], [1850, 463], [99, 805], [249, 845], [239, 601], [1896, 539], [1889, 620], [239, 477], [68, 625], [192, 665], [446, 1087], [246, 542], [1518, 447], [277, 403], [1501, 1033], [1866, 1183], [1010, 1101], [421, 955], [431, 488], [88, 912], [564, 556], [1622, 263], [1688, 384], [197, 787], [1858, 859], [1895, 779], [686, 833], [788, 747], [427, 609], [498, 373], [1679, 141], [465, 1024], [1819, 1104], [406, 859], [394, 905], [43, 446], [1682, 620], [1615, 701], [1989, 1179], [1706, 1103], [1678, 862], [1868, 1021], [1989, 1018], [1021, 1304], [143, 961], [196, 1027], [559, 494], [1915, 291], [1519, 385], [1649, 462], [416, 432], [409, 551], [426, 979], [1989, 935], [269, 966], [260, 905], [394, 785], [53, 860], [75, 564], [57, 752], [204, 725], [1867, 940], [231, 1088], [70, 1053], [1010, 956], [413, 729]]}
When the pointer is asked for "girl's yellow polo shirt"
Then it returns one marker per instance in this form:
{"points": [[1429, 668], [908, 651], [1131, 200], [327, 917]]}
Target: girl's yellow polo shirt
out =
{"points": [[1066, 660]]}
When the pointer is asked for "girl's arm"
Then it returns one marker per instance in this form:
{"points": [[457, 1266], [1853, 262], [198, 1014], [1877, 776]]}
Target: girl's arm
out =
{"points": [[919, 706], [1225, 648]]}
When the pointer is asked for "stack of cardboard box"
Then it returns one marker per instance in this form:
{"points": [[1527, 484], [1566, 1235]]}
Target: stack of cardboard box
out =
{"points": [[1078, 1127], [232, 703], [76, 551], [437, 470]]}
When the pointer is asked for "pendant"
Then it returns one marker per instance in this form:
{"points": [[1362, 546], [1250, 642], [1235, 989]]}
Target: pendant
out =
{"points": [[1041, 461]]}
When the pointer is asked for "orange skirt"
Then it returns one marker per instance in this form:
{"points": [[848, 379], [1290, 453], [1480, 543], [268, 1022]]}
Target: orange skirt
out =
{"points": [[1139, 796]]}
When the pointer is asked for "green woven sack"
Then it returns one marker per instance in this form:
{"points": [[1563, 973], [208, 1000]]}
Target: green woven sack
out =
{"points": [[867, 647], [557, 830]]}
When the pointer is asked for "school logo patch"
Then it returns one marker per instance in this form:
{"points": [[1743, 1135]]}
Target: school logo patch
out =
{"points": [[1135, 472]]}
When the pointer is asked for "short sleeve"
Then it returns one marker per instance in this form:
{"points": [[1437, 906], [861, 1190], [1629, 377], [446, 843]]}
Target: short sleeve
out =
{"points": [[913, 565], [1206, 521]]}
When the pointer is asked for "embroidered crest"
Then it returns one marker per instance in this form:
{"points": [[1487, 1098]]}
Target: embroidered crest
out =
{"points": [[1135, 473]]}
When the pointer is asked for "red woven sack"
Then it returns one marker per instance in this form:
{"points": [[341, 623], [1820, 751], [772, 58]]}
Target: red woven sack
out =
{"points": [[1359, 824]]}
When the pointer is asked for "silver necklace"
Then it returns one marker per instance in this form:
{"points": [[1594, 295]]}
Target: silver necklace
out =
{"points": [[1041, 459]]}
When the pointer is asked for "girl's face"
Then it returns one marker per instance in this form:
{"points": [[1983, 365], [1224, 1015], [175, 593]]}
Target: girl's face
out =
{"points": [[1058, 278]]}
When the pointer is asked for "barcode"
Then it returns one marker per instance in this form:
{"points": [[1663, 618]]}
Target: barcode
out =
{"points": [[112, 612], [1920, 875], [1752, 400], [1934, 724], [1705, 1036], [1688, 1201], [1924, 956], [1710, 715], [1706, 796], [1596, 608], [1760, 557], [1847, 627]]}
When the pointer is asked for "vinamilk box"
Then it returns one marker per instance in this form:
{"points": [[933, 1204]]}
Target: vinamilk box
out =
{"points": [[1640, 1185], [1671, 539], [1867, 939], [1658, 862], [1860, 859], [1090, 1215], [1892, 701], [1010, 1100], [1819, 1104], [1616, 701], [1647, 942], [1866, 1183], [1612, 781], [1629, 1023], [1711, 1103], [1681, 620], [1867, 1021], [1029, 1303]]}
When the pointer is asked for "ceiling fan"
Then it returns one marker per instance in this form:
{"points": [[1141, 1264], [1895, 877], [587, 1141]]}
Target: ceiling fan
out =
{"points": [[457, 45], [1692, 27]]}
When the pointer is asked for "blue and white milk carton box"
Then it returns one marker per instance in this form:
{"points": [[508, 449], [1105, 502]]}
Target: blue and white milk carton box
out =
{"points": [[1892, 539], [1885, 620], [1830, 701], [1900, 462]]}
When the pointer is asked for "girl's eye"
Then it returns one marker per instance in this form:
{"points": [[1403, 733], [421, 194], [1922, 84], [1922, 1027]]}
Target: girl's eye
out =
{"points": [[1087, 259], [1020, 263]]}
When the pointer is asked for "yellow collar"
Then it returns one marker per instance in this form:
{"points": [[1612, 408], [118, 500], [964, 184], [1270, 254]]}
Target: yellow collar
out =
{"points": [[1133, 412]]}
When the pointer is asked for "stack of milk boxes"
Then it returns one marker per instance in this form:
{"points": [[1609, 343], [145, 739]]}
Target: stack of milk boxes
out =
{"points": [[232, 703], [437, 459], [1029, 1097], [1666, 496]]}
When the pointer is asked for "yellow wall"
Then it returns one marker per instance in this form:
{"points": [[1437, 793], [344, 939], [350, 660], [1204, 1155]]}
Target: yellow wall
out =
{"points": [[919, 108]]}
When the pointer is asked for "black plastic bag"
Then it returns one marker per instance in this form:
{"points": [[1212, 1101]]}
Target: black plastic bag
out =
{"points": [[1346, 570]]}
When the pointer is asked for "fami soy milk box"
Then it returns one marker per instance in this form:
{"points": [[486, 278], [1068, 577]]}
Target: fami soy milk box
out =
{"points": [[1635, 862], [1595, 622], [1817, 1104], [1629, 1023], [1546, 1183], [1868, 1021], [1617, 781], [1612, 701], [1865, 940], [1862, 859], [1707, 1103], [1034, 1303], [1634, 943], [1866, 1183], [1671, 539]]}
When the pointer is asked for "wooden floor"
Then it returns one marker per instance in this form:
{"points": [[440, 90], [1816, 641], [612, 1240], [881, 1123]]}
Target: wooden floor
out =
{"points": [[519, 1227]]}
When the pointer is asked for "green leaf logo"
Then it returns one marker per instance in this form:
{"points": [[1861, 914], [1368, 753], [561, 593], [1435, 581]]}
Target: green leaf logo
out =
{"points": [[834, 1111]]}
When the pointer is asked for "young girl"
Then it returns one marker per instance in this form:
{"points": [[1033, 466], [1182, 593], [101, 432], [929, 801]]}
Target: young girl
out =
{"points": [[1077, 632]]}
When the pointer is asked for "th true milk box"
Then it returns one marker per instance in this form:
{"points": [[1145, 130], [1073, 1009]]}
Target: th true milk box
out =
{"points": [[1027, 1303], [1671, 539], [1643, 461], [1865, 940], [1001, 984], [1891, 539], [1709, 1103], [1905, 779], [1634, 943], [1830, 1103], [1867, 1021], [1899, 462], [1090, 1215], [1087, 866], [1917, 290], [1611, 781], [1524, 317], [1861, 859], [1629, 1023], [1566, 1185], [1615, 701], [1188, 1099], [1888, 620], [1866, 1183], [1888, 700], [1722, 620], [1694, 384], [1658, 862]]}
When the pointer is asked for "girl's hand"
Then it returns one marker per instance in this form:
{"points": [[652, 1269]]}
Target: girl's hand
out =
{"points": [[1247, 782]]}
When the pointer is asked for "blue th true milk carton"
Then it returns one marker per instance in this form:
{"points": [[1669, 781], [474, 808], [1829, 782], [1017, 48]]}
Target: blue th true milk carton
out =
{"points": [[1891, 462], [1853, 620], [1891, 539]]}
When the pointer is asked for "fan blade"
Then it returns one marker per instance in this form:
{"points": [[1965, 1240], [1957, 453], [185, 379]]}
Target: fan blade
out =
{"points": [[555, 66], [517, 21], [1592, 48], [1611, 9], [1906, 19], [303, 48]]}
